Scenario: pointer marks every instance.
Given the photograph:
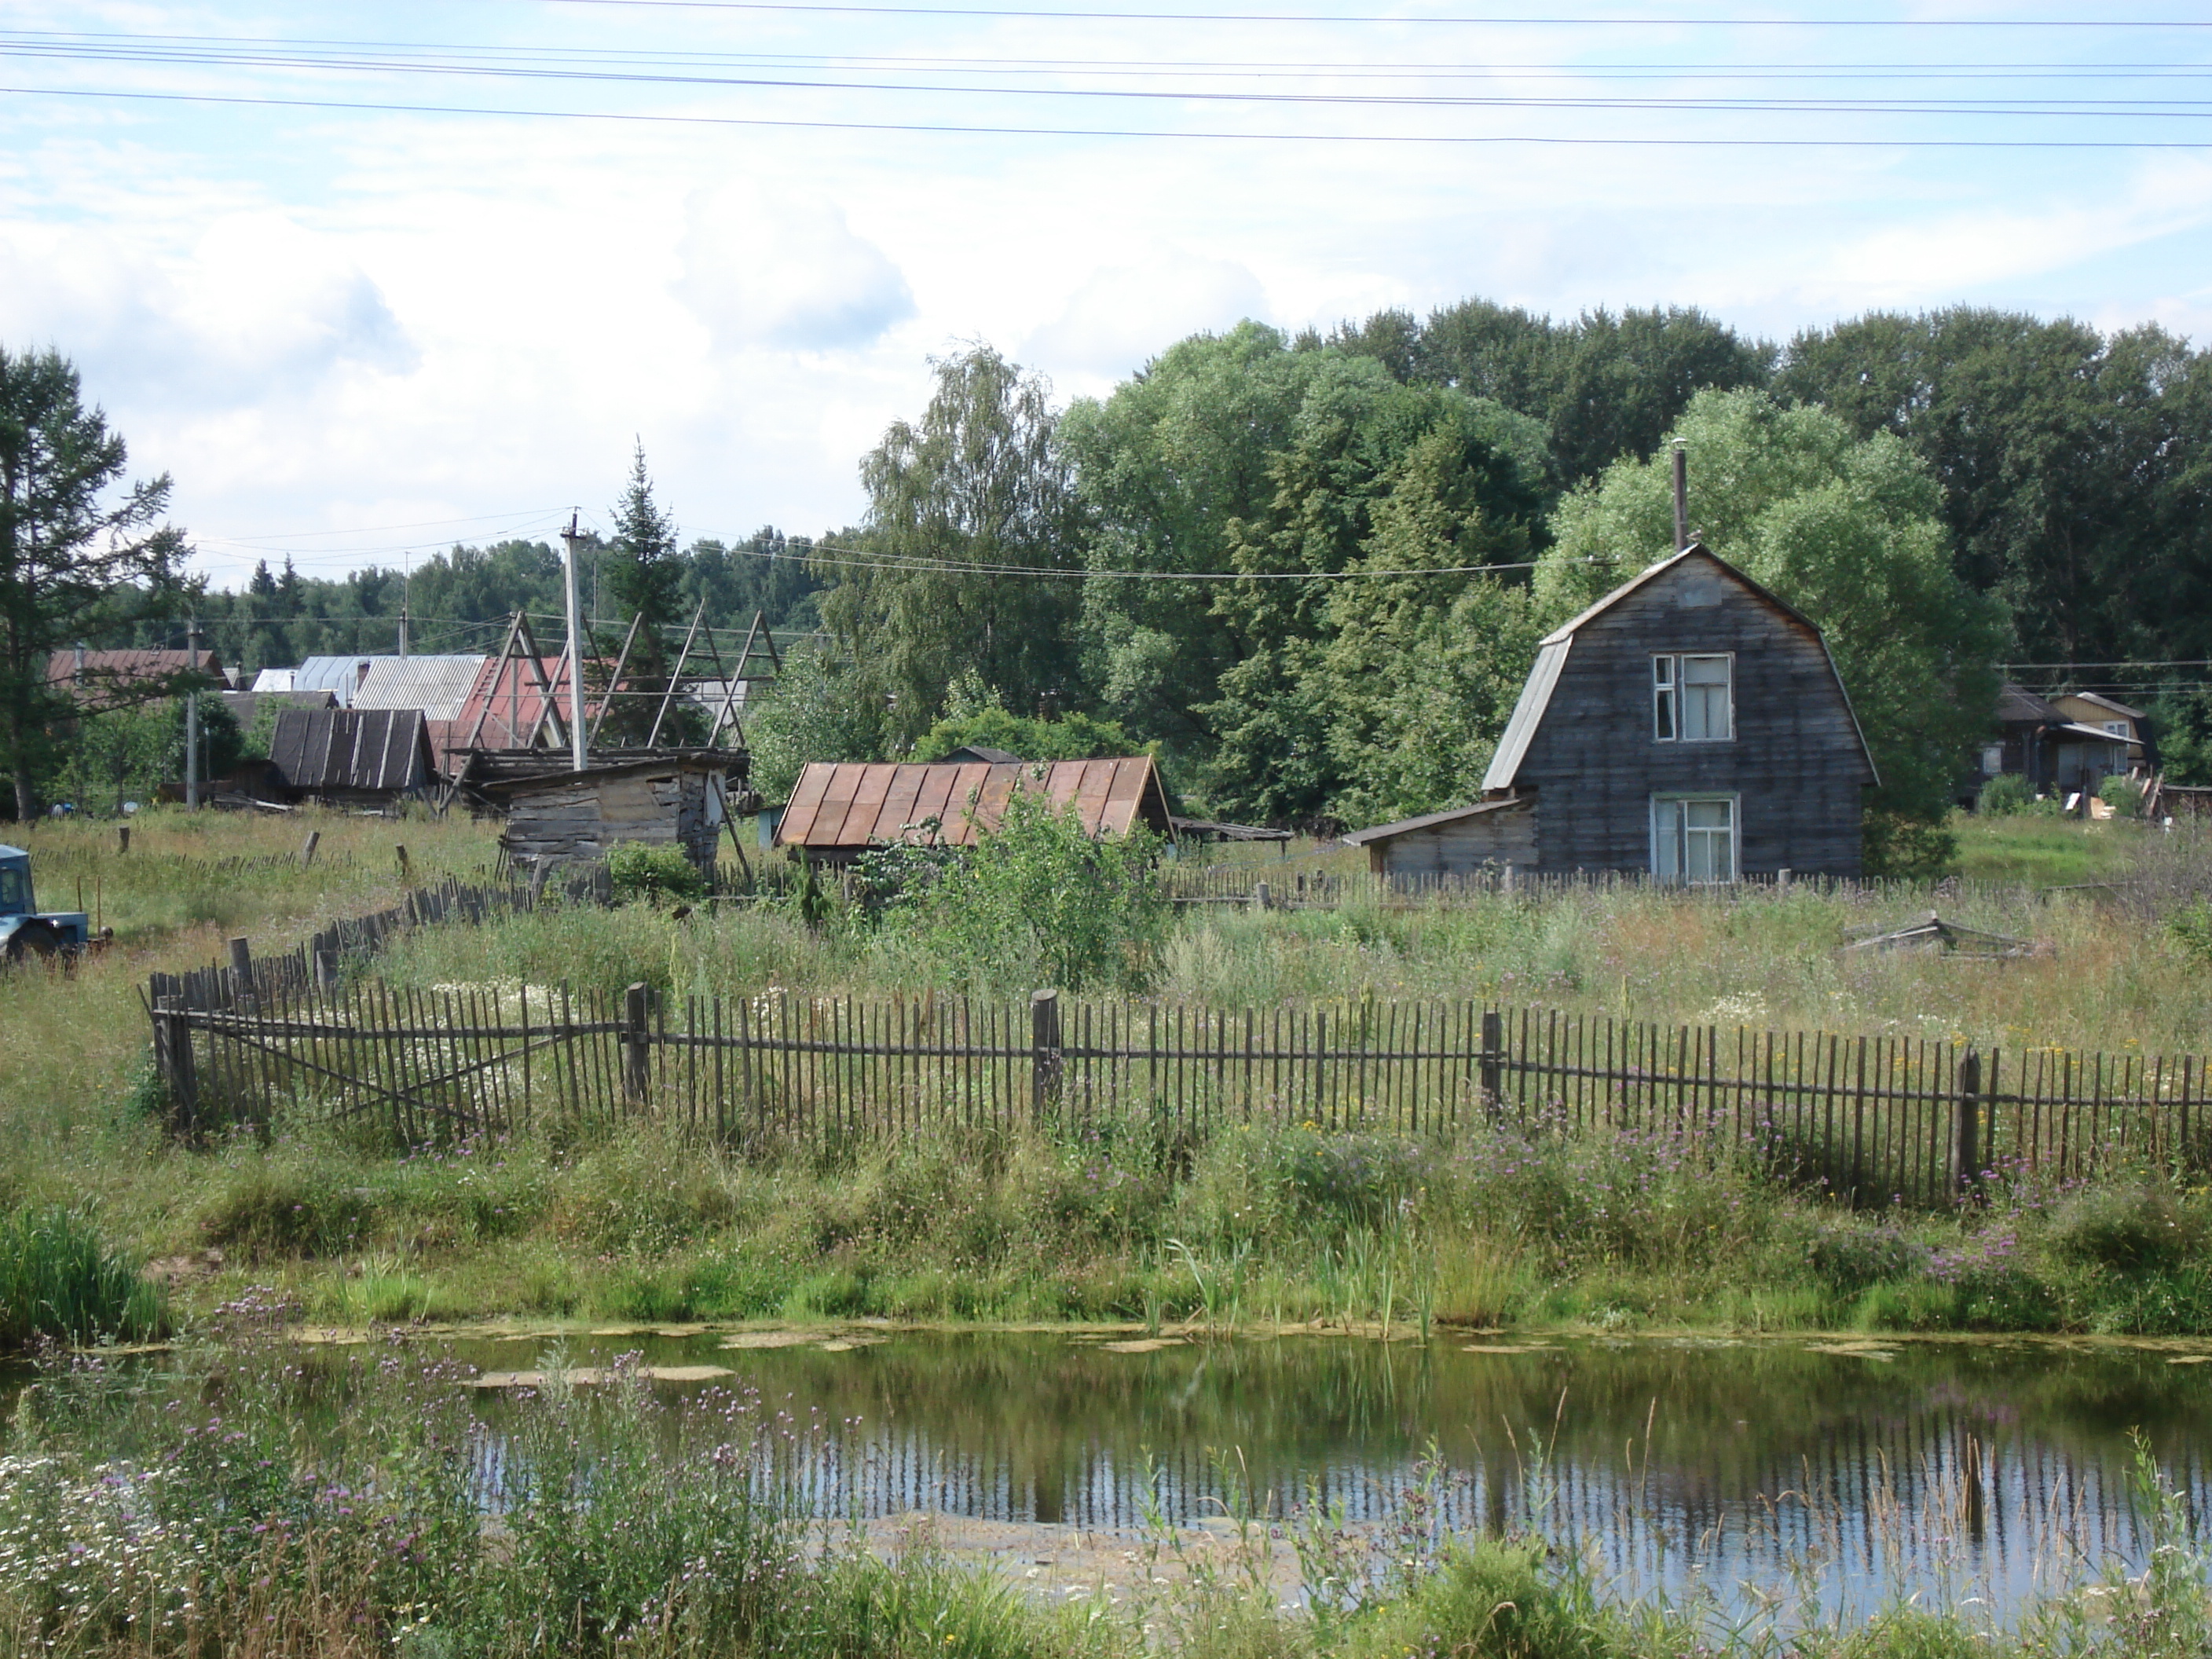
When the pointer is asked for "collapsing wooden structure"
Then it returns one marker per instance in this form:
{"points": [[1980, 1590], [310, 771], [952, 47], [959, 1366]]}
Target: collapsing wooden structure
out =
{"points": [[556, 815]]}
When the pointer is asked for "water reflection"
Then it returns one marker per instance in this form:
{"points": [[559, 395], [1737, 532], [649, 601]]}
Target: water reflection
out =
{"points": [[1865, 1470]]}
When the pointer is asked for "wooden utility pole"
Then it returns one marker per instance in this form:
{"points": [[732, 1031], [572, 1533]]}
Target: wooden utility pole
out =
{"points": [[192, 717], [577, 739]]}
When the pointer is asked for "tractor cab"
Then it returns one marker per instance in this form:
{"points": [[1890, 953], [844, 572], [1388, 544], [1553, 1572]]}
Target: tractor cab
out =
{"points": [[24, 931]]}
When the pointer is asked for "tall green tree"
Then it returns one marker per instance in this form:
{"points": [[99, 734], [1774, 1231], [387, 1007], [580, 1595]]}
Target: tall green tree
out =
{"points": [[1351, 447], [1178, 452], [78, 555], [1849, 532], [643, 575], [2076, 467], [1605, 385], [972, 552]]}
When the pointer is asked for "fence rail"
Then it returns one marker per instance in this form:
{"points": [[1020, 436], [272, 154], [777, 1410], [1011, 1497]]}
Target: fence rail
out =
{"points": [[1880, 1121], [1282, 885]]}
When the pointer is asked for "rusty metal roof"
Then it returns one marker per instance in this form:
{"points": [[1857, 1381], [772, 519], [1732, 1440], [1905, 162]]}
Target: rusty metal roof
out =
{"points": [[851, 805], [381, 751]]}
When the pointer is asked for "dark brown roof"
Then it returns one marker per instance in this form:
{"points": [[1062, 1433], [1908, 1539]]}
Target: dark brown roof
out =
{"points": [[505, 775], [2017, 706], [877, 804], [371, 750]]}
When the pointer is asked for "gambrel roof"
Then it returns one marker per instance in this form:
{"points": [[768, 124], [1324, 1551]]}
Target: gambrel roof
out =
{"points": [[1552, 654]]}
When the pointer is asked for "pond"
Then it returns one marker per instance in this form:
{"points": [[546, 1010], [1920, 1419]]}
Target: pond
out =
{"points": [[1842, 1472]]}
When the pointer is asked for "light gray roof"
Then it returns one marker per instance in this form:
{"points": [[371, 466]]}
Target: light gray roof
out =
{"points": [[339, 675], [436, 685], [1429, 820], [1528, 713]]}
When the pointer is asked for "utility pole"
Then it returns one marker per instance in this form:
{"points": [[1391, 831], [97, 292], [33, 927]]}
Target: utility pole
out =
{"points": [[403, 627], [575, 652], [406, 589], [1681, 495], [193, 718]]}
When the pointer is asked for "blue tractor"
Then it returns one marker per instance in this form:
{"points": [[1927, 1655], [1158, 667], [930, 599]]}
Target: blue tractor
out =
{"points": [[24, 933]]}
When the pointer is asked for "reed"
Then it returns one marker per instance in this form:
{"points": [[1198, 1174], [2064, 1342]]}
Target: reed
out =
{"points": [[60, 1280]]}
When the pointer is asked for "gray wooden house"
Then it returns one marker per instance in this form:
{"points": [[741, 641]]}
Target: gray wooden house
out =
{"points": [[1689, 726]]}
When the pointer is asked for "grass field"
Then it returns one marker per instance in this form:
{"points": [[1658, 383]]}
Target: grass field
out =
{"points": [[1265, 1226]]}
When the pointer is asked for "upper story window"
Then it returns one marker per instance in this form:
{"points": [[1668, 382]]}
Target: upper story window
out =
{"points": [[2118, 728], [1693, 698]]}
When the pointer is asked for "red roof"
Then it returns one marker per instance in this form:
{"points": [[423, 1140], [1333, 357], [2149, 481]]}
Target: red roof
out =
{"points": [[512, 703], [851, 805], [90, 679]]}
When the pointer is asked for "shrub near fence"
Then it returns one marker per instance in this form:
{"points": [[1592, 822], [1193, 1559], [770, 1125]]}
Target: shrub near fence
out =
{"points": [[1878, 1121]]}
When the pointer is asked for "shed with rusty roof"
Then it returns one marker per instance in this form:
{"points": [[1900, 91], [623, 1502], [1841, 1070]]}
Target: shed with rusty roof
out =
{"points": [[839, 810]]}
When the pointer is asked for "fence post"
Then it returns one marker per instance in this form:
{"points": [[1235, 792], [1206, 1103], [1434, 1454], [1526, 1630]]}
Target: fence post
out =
{"points": [[307, 847], [636, 1042], [1046, 1059], [1261, 899], [1970, 1125], [1493, 1071], [123, 838], [406, 874], [241, 976], [173, 1055]]}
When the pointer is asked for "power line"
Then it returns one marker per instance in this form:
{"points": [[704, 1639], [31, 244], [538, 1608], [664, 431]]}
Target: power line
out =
{"points": [[2105, 109], [1038, 14], [983, 130], [962, 567]]}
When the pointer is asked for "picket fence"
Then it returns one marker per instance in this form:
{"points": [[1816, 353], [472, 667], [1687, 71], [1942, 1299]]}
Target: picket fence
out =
{"points": [[1880, 1121]]}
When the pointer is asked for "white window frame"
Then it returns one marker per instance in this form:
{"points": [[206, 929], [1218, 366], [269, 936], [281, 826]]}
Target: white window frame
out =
{"points": [[2120, 730], [1670, 834], [1669, 706]]}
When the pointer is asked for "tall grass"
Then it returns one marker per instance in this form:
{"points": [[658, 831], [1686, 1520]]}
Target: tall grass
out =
{"points": [[60, 1280]]}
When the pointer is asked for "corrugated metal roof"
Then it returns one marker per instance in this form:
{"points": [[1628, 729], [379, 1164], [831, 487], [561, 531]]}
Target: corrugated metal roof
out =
{"points": [[849, 804], [511, 704], [341, 675], [87, 676], [275, 679], [436, 685], [380, 750]]}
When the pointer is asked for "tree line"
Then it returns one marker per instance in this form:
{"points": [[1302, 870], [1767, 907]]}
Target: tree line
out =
{"points": [[1310, 570]]}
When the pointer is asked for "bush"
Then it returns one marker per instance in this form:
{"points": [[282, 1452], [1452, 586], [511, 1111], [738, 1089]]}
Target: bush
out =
{"points": [[654, 874], [2003, 795], [2126, 1229], [1040, 903], [59, 1279], [2122, 794], [1853, 1259]]}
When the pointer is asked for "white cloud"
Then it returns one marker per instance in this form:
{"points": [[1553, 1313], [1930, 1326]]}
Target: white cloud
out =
{"points": [[1126, 312], [765, 267]]}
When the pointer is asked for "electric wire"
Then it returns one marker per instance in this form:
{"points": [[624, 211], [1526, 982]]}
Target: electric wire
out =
{"points": [[1577, 140]]}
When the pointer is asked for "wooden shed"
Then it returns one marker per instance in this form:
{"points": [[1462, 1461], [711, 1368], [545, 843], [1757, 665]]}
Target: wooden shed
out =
{"points": [[1689, 725], [839, 810], [555, 815], [350, 758]]}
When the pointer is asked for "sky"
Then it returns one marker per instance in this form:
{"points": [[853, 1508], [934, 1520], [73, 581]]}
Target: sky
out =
{"points": [[369, 280]]}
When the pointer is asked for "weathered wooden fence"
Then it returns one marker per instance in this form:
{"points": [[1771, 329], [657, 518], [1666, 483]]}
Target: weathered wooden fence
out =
{"points": [[1880, 1121]]}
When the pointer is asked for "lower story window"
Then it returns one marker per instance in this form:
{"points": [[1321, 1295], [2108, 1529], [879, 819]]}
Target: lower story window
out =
{"points": [[1693, 838]]}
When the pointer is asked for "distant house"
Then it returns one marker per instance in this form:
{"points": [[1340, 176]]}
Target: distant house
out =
{"points": [[339, 676], [1690, 726], [352, 757], [840, 810], [102, 680], [2064, 745]]}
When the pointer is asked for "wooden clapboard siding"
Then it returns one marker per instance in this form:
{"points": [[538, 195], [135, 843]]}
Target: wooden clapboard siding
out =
{"points": [[1797, 763], [1489, 835]]}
